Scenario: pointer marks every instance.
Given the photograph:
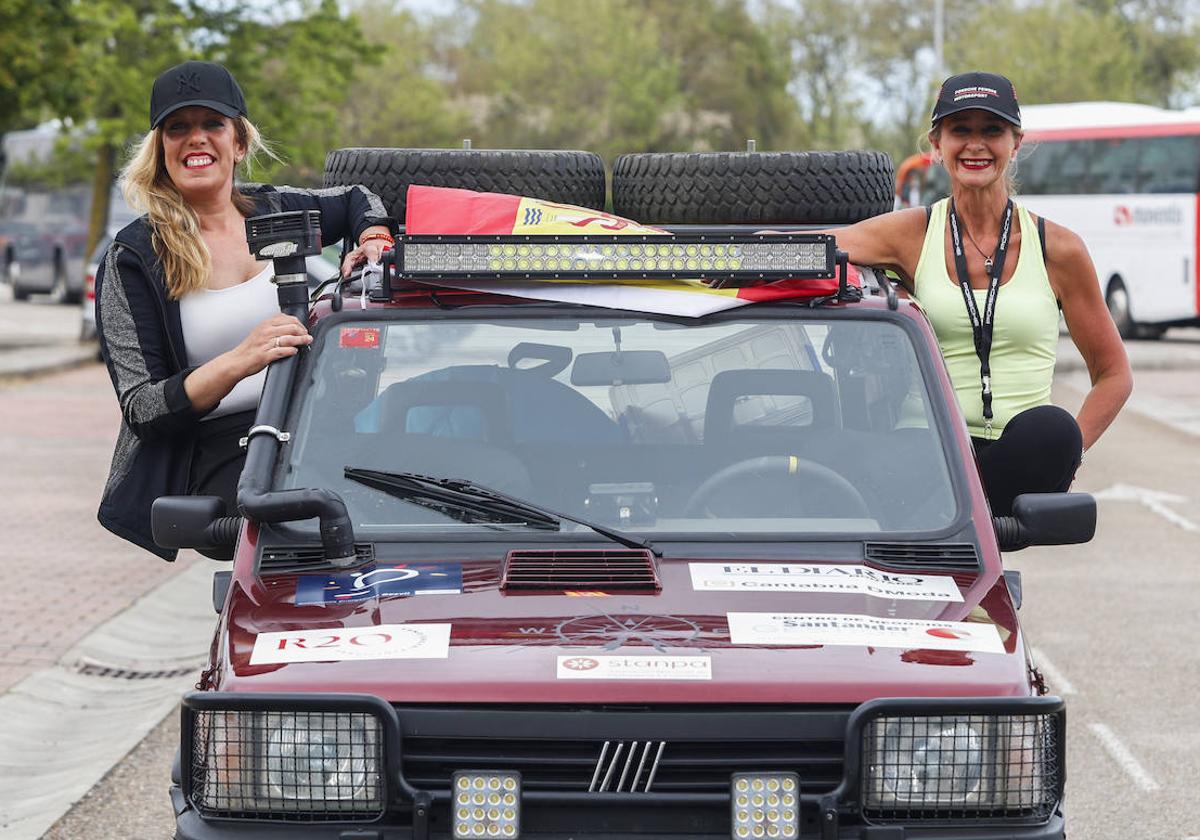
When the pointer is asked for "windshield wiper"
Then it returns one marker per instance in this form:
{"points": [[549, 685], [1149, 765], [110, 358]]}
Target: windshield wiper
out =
{"points": [[467, 501]]}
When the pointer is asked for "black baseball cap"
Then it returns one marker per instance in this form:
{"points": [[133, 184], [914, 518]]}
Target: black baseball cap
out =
{"points": [[195, 83], [986, 91]]}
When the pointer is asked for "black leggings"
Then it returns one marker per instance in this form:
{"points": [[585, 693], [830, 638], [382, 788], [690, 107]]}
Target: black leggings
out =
{"points": [[1038, 452], [217, 464]]}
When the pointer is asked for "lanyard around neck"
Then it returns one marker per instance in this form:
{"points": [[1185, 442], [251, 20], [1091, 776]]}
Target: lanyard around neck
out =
{"points": [[981, 326]]}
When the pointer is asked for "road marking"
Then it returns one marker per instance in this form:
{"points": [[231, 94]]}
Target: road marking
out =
{"points": [[1155, 500], [1055, 676], [1124, 758]]}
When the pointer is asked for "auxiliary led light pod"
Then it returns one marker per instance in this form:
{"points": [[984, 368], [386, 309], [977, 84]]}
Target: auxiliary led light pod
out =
{"points": [[766, 806], [487, 804]]}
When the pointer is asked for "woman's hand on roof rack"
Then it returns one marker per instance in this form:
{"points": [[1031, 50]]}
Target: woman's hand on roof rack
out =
{"points": [[372, 243]]}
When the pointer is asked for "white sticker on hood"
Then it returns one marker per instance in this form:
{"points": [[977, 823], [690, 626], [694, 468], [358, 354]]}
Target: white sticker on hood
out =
{"points": [[634, 667], [836, 629], [815, 577], [384, 641]]}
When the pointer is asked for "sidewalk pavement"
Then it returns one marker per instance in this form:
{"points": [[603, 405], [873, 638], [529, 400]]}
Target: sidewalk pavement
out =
{"points": [[32, 360]]}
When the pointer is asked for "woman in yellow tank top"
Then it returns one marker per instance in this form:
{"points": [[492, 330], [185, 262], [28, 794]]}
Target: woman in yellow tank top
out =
{"points": [[992, 284]]}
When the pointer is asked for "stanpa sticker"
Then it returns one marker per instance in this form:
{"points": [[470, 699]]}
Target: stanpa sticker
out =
{"points": [[396, 580], [837, 629], [839, 580], [384, 641], [634, 668]]}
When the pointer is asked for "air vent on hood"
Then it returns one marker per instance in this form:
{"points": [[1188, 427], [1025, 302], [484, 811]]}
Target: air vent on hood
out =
{"points": [[285, 559], [942, 557], [607, 570]]}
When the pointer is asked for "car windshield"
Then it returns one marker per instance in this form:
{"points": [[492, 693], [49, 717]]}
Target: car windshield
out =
{"points": [[714, 430]]}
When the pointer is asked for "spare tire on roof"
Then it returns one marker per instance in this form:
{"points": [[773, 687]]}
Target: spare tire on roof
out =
{"points": [[569, 177], [753, 187]]}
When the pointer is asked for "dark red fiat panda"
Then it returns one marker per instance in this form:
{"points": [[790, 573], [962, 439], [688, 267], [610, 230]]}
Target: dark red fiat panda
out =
{"points": [[544, 539]]}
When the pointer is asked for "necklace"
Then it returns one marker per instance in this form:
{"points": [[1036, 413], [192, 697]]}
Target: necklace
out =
{"points": [[987, 258]]}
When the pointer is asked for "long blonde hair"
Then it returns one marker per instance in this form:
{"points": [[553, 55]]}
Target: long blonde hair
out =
{"points": [[174, 225]]}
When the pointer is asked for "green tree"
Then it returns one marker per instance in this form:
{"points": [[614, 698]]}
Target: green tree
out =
{"points": [[38, 49], [294, 70], [399, 101], [1056, 51], [563, 74], [820, 39], [732, 76]]}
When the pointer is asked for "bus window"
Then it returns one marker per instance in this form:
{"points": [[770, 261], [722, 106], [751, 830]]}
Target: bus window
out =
{"points": [[1032, 170], [1169, 165], [1067, 169], [1115, 165]]}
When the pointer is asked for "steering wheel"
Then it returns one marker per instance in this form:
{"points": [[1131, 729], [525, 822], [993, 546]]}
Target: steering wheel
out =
{"points": [[806, 475]]}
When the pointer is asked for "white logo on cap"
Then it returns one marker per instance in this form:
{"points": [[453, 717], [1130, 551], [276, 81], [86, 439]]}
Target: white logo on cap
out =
{"points": [[974, 92]]}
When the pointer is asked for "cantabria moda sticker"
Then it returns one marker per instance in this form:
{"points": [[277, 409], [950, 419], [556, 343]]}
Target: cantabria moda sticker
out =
{"points": [[586, 667], [836, 629], [384, 641], [836, 579]]}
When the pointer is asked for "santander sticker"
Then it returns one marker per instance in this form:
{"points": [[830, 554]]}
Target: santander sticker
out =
{"points": [[586, 667], [867, 630], [819, 577], [339, 644]]}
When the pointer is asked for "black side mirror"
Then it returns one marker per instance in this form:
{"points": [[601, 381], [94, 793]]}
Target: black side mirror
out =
{"points": [[1047, 519], [193, 522]]}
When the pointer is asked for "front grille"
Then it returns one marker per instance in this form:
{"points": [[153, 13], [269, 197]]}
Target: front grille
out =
{"points": [[300, 559], [608, 570], [570, 765], [939, 557]]}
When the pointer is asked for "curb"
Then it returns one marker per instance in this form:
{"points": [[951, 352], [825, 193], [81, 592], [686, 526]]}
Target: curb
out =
{"points": [[34, 361]]}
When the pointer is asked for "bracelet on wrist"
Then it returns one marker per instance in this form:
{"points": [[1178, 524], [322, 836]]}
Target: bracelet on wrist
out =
{"points": [[386, 237]]}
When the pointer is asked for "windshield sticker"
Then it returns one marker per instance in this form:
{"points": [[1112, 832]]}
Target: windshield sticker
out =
{"points": [[385, 581], [836, 629], [385, 641], [840, 580], [634, 668], [359, 337]]}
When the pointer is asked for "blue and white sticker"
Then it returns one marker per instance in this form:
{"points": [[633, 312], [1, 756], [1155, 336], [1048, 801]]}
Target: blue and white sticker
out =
{"points": [[397, 580]]}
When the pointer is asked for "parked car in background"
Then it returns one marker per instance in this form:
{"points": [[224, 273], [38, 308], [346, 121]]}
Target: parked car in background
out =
{"points": [[16, 237], [47, 256]]}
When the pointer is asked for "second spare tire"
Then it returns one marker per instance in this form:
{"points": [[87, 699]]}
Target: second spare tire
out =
{"points": [[568, 177], [752, 187]]}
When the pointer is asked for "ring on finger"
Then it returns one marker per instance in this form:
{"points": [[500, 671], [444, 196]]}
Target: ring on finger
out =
{"points": [[276, 342]]}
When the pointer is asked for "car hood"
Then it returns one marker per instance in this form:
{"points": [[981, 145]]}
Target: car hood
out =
{"points": [[451, 634]]}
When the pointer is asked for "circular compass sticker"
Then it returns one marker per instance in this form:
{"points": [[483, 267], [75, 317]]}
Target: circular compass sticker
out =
{"points": [[609, 632]]}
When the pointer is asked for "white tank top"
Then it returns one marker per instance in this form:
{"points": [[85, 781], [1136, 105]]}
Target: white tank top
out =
{"points": [[217, 320]]}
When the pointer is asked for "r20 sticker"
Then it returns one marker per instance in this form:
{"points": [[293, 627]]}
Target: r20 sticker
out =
{"points": [[383, 641]]}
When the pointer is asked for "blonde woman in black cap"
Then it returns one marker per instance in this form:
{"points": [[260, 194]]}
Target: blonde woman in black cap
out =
{"points": [[188, 320], [992, 278]]}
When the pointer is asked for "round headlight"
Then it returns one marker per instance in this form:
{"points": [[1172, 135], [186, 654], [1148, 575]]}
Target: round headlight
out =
{"points": [[321, 761], [932, 761]]}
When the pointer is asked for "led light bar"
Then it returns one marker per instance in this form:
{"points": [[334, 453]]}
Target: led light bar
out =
{"points": [[766, 805], [486, 804], [720, 259]]}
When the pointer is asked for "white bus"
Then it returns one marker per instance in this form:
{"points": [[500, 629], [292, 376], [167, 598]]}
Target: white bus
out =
{"points": [[1126, 178]]}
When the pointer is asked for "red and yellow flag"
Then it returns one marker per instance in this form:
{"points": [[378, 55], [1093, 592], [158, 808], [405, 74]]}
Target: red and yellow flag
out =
{"points": [[450, 211]]}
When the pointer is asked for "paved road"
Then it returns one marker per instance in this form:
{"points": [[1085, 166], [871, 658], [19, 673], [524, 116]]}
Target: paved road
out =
{"points": [[1113, 622]]}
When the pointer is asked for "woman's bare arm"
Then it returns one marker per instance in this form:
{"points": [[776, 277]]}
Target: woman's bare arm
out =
{"points": [[1073, 278]]}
